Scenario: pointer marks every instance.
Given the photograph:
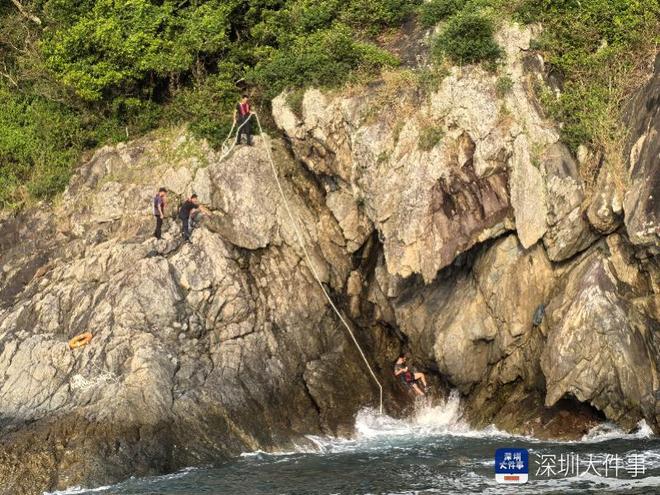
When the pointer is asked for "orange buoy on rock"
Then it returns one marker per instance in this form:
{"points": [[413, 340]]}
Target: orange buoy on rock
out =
{"points": [[80, 340]]}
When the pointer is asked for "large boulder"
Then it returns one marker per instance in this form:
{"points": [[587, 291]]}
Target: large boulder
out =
{"points": [[568, 229], [601, 347]]}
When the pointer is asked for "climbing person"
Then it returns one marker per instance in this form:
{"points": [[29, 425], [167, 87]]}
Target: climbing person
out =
{"points": [[189, 210], [159, 202], [409, 376], [242, 118]]}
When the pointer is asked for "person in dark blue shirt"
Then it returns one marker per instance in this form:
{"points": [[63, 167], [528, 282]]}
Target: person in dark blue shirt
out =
{"points": [[159, 203], [189, 209]]}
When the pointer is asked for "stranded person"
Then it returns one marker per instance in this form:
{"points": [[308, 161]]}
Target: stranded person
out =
{"points": [[242, 119], [409, 376], [159, 203], [189, 209]]}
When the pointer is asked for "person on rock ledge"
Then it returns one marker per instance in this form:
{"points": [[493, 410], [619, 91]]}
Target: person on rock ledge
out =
{"points": [[187, 214], [409, 376], [242, 118], [159, 202]]}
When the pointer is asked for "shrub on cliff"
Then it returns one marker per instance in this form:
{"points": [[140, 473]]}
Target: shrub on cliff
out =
{"points": [[325, 58], [373, 16], [597, 48], [467, 38], [433, 11]]}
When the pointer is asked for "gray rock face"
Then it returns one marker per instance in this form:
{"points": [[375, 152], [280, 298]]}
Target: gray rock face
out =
{"points": [[200, 350], [605, 211], [438, 221], [568, 229], [601, 336], [642, 199], [437, 175]]}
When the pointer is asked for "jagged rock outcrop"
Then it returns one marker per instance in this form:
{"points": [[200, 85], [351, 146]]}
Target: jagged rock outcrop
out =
{"points": [[446, 178], [642, 199], [568, 230], [438, 175], [200, 350], [602, 326], [439, 220]]}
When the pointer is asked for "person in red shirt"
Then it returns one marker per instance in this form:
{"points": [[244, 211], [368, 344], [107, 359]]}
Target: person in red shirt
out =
{"points": [[242, 119]]}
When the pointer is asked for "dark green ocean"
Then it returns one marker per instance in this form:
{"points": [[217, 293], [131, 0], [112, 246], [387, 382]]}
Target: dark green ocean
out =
{"points": [[431, 453]]}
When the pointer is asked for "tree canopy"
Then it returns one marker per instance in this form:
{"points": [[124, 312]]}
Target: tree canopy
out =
{"points": [[78, 73]]}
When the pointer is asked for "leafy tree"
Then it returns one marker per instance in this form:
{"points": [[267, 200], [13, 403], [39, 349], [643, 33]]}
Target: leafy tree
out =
{"points": [[39, 140]]}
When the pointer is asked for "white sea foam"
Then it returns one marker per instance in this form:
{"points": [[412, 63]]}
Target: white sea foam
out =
{"points": [[609, 431], [77, 489], [373, 429], [445, 419], [154, 479]]}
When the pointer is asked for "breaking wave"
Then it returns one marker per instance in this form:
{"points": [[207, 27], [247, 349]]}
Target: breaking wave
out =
{"points": [[434, 450]]}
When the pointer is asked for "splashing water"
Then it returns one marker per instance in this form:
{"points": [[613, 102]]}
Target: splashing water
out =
{"points": [[433, 451]]}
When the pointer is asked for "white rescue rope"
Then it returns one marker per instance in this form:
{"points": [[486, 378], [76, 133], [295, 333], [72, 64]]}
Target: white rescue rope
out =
{"points": [[295, 224], [225, 150]]}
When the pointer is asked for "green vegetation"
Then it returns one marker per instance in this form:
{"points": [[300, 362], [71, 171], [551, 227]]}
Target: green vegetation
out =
{"points": [[434, 11], [503, 86], [38, 141], [324, 58], [466, 30], [429, 137], [98, 71], [468, 38], [295, 101], [596, 47]]}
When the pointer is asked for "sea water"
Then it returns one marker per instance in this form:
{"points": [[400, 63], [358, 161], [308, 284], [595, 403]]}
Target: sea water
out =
{"points": [[433, 452]]}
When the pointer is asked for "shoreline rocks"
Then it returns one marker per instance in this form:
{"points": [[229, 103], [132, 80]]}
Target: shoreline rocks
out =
{"points": [[438, 232]]}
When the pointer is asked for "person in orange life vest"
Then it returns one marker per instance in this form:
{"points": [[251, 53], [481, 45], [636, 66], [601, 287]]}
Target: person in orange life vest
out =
{"points": [[242, 117]]}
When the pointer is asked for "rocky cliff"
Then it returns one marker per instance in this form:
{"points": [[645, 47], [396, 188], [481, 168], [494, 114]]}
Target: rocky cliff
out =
{"points": [[439, 219]]}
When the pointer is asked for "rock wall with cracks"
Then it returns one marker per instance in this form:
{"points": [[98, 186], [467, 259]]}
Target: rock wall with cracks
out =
{"points": [[487, 222], [441, 247], [200, 351]]}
